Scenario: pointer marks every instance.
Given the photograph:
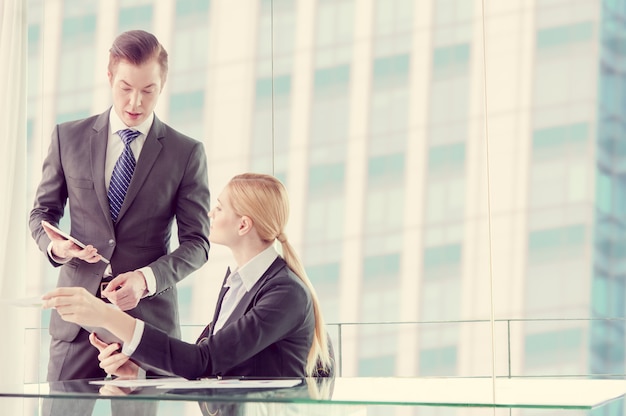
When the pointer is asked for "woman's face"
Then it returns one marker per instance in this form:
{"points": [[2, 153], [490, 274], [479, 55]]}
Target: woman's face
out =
{"points": [[225, 222]]}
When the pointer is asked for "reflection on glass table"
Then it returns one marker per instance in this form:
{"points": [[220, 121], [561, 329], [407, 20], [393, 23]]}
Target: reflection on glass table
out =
{"points": [[325, 396]]}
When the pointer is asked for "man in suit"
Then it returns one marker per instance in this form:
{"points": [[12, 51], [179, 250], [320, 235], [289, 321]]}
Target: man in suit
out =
{"points": [[169, 182]]}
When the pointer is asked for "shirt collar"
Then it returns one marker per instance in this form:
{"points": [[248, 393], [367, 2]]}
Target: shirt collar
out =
{"points": [[252, 271], [116, 124]]}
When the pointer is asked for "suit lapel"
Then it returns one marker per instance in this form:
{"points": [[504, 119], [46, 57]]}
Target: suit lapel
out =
{"points": [[245, 301], [99, 139], [149, 153], [218, 305]]}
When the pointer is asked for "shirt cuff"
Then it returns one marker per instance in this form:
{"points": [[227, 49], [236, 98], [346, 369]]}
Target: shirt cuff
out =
{"points": [[148, 274], [129, 347], [59, 260]]}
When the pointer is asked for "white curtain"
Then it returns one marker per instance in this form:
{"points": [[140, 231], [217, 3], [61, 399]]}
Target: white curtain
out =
{"points": [[13, 207]]}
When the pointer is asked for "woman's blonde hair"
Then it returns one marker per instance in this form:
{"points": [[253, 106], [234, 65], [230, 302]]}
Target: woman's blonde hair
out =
{"points": [[264, 199]]}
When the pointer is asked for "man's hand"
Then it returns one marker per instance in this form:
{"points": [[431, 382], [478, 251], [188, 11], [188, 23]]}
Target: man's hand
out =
{"points": [[66, 249], [112, 361], [126, 290]]}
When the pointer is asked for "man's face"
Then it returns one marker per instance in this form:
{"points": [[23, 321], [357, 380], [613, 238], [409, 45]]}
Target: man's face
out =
{"points": [[135, 90]]}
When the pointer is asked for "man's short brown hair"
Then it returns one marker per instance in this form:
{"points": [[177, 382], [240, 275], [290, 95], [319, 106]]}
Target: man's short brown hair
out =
{"points": [[138, 47]]}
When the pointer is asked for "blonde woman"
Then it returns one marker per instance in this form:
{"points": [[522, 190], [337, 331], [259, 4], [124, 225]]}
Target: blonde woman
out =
{"points": [[267, 322]]}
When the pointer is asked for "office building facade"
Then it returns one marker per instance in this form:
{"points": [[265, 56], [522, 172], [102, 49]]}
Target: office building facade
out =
{"points": [[454, 163]]}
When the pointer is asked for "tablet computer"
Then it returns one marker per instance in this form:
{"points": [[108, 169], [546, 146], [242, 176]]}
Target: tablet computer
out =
{"points": [[103, 334], [68, 237]]}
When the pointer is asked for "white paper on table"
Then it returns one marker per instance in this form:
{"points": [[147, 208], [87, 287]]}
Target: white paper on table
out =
{"points": [[230, 383], [135, 382]]}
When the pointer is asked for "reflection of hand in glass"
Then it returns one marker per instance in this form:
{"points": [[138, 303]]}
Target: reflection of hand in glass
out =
{"points": [[110, 390]]}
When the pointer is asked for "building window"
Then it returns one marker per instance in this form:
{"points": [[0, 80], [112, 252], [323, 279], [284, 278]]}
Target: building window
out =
{"points": [[554, 37]]}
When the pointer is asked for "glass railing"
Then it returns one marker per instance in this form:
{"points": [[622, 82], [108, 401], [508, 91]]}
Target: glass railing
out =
{"points": [[482, 348], [472, 348]]}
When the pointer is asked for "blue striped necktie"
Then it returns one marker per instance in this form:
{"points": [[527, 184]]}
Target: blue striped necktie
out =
{"points": [[122, 173]]}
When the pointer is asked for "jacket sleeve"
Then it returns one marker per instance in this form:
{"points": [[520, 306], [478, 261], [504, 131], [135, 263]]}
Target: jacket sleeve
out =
{"points": [[50, 197], [192, 207], [278, 309]]}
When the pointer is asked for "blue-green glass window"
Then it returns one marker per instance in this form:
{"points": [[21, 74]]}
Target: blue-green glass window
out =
{"points": [[333, 79], [191, 7], [272, 124], [34, 32], [77, 28], [34, 62], [281, 85], [322, 274], [607, 296], [445, 199], [382, 267], [563, 35], [549, 348], [324, 178], [389, 104], [438, 361], [386, 170], [75, 115], [391, 70], [453, 12], [186, 111], [380, 300], [451, 60], [614, 6], [393, 16], [604, 192], [325, 279], [187, 101], [599, 292], [555, 141], [381, 366], [620, 200], [384, 212], [76, 64], [330, 114], [607, 348], [446, 158], [324, 225], [611, 87], [334, 23], [556, 244], [442, 261], [138, 17], [185, 293]]}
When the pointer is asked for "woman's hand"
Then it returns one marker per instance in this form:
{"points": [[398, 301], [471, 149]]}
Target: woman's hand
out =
{"points": [[77, 305], [112, 361]]}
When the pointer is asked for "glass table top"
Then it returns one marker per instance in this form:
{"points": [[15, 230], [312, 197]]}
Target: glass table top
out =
{"points": [[560, 393]]}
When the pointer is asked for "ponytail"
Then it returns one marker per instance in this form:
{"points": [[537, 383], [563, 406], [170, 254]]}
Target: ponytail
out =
{"points": [[319, 352]]}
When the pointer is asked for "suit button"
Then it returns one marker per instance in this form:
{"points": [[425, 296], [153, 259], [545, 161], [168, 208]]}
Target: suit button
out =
{"points": [[111, 242]]}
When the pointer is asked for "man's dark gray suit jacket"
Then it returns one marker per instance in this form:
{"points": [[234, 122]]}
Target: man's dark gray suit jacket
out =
{"points": [[269, 334], [170, 183]]}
